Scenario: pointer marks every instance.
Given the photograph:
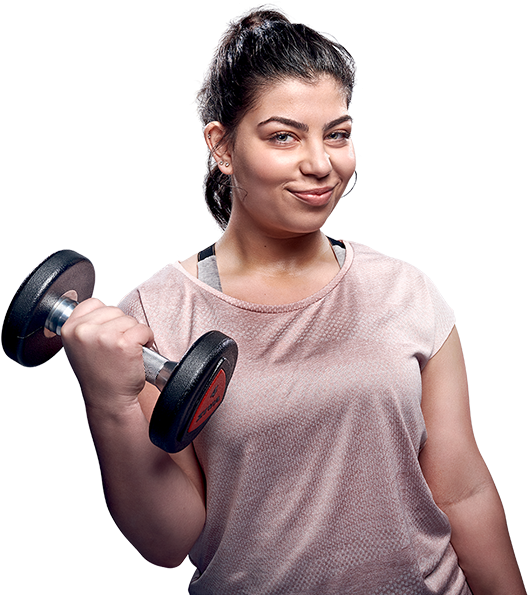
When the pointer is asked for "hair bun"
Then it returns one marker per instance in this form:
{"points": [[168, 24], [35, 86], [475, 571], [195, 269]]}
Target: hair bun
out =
{"points": [[261, 17]]}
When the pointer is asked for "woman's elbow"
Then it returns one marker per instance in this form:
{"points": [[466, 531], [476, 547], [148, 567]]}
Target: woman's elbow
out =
{"points": [[164, 559]]}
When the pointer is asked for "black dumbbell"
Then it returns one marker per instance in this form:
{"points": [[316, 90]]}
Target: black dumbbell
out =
{"points": [[191, 390]]}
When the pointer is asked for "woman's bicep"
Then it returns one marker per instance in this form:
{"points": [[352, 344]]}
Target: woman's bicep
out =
{"points": [[450, 460], [186, 459]]}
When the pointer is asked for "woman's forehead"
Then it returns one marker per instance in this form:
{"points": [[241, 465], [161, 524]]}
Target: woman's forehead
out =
{"points": [[293, 97]]}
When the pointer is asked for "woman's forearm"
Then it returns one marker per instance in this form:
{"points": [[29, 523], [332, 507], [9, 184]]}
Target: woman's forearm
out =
{"points": [[151, 499], [481, 540]]}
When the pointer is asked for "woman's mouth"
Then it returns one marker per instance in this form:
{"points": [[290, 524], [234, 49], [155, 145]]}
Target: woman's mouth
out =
{"points": [[316, 197]]}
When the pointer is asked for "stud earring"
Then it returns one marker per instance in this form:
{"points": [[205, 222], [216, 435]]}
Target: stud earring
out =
{"points": [[220, 163], [226, 164]]}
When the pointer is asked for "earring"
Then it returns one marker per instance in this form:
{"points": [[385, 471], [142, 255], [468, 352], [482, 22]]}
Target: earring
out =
{"points": [[353, 185], [226, 164], [220, 163]]}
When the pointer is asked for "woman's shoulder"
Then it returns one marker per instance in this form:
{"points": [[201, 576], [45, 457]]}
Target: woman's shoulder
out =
{"points": [[384, 277], [164, 283], [374, 262], [191, 265]]}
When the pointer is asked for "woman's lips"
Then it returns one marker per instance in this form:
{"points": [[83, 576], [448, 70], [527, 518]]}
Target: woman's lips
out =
{"points": [[316, 197]]}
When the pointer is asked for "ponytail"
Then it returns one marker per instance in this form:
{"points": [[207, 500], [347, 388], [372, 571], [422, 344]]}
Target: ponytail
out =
{"points": [[216, 191]]}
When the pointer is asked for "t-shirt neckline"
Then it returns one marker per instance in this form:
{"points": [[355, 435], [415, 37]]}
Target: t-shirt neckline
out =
{"points": [[275, 308]]}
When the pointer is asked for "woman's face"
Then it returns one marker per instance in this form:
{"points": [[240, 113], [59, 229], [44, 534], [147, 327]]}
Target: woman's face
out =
{"points": [[292, 158]]}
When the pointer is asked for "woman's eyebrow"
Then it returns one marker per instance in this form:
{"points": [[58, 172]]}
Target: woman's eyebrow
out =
{"points": [[337, 121], [302, 126], [287, 122]]}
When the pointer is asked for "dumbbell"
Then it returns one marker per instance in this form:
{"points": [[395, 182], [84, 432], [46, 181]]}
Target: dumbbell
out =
{"points": [[191, 389]]}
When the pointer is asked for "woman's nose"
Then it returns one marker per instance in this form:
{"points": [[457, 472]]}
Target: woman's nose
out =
{"points": [[316, 161]]}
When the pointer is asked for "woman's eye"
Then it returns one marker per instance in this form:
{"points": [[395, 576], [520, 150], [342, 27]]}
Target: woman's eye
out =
{"points": [[336, 136], [339, 135], [282, 137]]}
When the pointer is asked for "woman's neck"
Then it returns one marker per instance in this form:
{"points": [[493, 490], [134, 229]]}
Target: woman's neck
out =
{"points": [[254, 251]]}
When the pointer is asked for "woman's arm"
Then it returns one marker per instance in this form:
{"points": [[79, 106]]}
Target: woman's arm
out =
{"points": [[460, 481], [151, 498], [156, 500]]}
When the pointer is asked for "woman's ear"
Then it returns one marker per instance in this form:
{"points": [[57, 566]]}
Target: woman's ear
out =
{"points": [[214, 134]]}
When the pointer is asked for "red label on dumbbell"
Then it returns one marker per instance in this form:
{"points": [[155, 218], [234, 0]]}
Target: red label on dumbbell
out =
{"points": [[212, 398]]}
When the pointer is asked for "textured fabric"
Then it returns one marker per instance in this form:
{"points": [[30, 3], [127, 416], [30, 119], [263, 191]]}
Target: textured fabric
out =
{"points": [[311, 462]]}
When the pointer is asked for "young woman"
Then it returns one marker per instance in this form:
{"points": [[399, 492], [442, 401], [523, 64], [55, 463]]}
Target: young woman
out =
{"points": [[342, 459]]}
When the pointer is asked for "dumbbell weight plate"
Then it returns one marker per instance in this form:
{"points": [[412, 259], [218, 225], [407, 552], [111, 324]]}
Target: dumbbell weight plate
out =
{"points": [[189, 396], [193, 392], [24, 337]]}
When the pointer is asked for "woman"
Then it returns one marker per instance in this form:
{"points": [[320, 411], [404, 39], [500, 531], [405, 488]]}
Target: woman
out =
{"points": [[342, 459]]}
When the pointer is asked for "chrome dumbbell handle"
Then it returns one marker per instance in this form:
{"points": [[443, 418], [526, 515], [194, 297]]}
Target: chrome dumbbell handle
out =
{"points": [[59, 314], [157, 368]]}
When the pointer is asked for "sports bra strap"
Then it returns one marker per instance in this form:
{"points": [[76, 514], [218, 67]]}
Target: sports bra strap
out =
{"points": [[336, 242], [206, 253]]}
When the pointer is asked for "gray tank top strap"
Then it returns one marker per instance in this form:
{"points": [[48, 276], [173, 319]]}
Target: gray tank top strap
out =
{"points": [[340, 252], [207, 268]]}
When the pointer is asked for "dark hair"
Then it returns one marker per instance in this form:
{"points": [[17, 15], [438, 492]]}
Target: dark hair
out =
{"points": [[262, 47]]}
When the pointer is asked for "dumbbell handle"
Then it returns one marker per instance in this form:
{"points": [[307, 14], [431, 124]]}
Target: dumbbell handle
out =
{"points": [[157, 368]]}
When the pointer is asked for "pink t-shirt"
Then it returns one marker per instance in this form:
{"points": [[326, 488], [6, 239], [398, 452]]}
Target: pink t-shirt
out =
{"points": [[311, 462]]}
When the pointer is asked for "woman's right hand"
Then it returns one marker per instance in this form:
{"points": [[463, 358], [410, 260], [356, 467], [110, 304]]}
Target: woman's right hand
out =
{"points": [[104, 347]]}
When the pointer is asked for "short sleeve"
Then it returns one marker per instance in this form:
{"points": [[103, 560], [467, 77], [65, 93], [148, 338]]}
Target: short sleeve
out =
{"points": [[131, 305], [443, 317]]}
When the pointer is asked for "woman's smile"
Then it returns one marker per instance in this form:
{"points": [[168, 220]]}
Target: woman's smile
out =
{"points": [[315, 197]]}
